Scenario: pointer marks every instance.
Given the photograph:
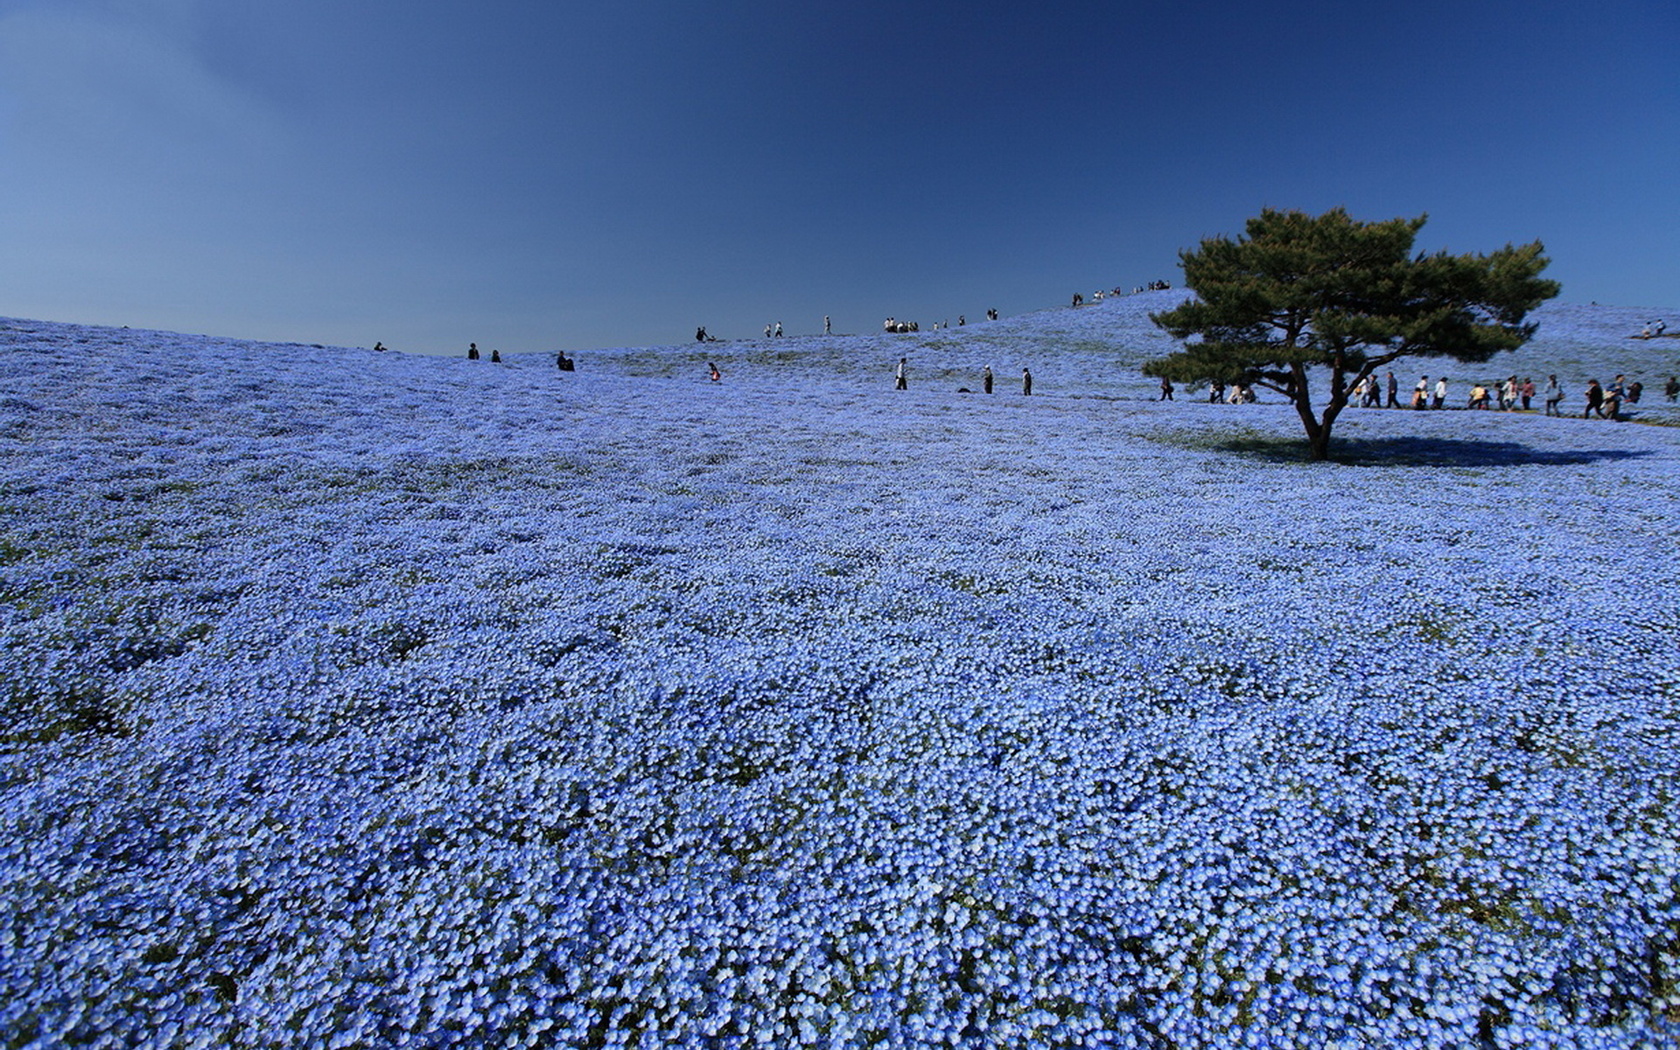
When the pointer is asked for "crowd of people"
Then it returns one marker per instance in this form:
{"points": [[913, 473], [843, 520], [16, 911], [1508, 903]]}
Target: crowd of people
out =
{"points": [[1508, 395]]}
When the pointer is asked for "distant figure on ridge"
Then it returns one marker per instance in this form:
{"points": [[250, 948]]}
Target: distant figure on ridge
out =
{"points": [[565, 363], [495, 356], [472, 351]]}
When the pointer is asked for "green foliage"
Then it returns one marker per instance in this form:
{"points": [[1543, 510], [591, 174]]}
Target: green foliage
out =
{"points": [[1303, 291]]}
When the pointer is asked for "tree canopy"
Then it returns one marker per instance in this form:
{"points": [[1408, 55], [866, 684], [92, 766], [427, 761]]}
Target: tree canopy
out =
{"points": [[1301, 292]]}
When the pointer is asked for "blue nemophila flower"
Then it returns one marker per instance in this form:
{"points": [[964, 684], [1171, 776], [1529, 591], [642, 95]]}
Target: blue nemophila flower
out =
{"points": [[410, 704]]}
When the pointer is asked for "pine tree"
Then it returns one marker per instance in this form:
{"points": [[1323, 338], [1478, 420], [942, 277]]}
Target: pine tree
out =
{"points": [[1300, 292]]}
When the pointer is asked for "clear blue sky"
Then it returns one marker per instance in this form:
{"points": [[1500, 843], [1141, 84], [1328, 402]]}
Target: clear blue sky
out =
{"points": [[544, 175]]}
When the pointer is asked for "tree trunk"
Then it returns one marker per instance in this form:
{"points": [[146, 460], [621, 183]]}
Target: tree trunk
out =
{"points": [[1318, 444]]}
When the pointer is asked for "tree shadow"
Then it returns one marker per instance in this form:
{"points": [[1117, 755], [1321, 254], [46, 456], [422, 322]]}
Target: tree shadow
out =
{"points": [[1418, 452]]}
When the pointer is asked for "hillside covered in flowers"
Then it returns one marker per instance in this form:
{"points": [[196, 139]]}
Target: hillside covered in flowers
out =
{"points": [[362, 699]]}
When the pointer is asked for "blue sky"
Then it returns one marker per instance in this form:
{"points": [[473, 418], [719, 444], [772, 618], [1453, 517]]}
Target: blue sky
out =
{"points": [[535, 176]]}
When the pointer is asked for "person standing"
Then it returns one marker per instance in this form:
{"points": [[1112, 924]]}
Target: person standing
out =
{"points": [[1527, 392], [1420, 393], [778, 329], [1393, 391], [472, 351], [1671, 389], [986, 379], [903, 376], [1440, 392], [828, 328], [1026, 381], [1554, 396]]}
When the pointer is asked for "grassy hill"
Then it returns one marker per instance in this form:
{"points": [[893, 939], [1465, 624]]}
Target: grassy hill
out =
{"points": [[379, 700]]}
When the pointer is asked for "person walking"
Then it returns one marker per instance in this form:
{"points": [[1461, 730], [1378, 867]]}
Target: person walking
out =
{"points": [[1166, 389], [1595, 399], [1527, 392], [1614, 395], [1440, 393], [1420, 394], [903, 374], [986, 379], [1393, 391], [1554, 396], [1026, 381]]}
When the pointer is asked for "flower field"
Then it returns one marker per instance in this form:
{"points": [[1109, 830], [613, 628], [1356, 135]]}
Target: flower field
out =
{"points": [[369, 700]]}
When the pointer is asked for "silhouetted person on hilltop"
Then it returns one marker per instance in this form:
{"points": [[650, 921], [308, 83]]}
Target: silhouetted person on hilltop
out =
{"points": [[495, 357], [565, 363], [472, 351]]}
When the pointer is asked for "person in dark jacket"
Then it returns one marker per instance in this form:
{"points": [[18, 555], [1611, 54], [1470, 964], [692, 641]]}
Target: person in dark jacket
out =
{"points": [[1595, 399]]}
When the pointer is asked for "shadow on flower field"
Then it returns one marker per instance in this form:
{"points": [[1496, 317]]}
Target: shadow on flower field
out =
{"points": [[1410, 451]]}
